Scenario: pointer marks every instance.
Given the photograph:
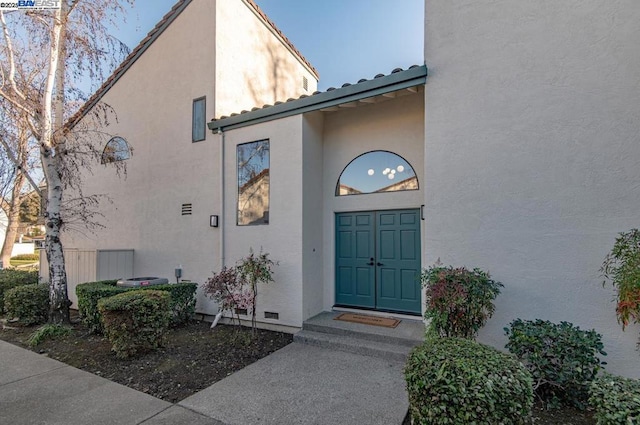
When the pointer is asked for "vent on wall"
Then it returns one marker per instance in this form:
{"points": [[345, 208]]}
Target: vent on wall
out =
{"points": [[305, 84], [186, 209], [271, 315]]}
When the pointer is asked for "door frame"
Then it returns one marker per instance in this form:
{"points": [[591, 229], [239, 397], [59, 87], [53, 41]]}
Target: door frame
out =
{"points": [[376, 272]]}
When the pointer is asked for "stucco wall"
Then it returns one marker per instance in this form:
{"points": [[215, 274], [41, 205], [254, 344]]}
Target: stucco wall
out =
{"points": [[282, 237], [247, 48], [313, 235], [531, 153], [395, 125], [153, 101]]}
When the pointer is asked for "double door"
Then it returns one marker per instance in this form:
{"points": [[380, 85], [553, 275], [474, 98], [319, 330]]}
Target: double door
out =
{"points": [[378, 260]]}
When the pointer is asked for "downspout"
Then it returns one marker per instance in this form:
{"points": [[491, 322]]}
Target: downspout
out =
{"points": [[221, 222]]}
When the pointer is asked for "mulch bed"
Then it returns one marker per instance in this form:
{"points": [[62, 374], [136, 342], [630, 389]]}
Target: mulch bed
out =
{"points": [[193, 358]]}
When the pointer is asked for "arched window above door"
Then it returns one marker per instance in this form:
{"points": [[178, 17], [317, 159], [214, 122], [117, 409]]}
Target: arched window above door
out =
{"points": [[376, 172]]}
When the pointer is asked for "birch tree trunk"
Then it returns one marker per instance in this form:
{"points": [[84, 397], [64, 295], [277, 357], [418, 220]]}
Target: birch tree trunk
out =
{"points": [[51, 151]]}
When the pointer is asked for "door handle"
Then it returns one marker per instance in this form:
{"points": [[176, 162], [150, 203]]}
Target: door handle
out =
{"points": [[379, 264], [370, 263]]}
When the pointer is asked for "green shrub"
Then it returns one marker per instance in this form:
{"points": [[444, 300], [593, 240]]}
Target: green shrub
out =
{"points": [[616, 400], [135, 321], [459, 301], [562, 359], [459, 381], [10, 278], [48, 331], [88, 296], [183, 300], [28, 303], [26, 257]]}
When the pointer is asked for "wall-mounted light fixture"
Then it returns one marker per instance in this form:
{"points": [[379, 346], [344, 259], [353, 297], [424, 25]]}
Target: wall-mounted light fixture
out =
{"points": [[422, 212], [213, 220]]}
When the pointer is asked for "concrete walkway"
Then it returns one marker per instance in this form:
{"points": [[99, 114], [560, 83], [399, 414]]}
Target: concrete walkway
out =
{"points": [[299, 384]]}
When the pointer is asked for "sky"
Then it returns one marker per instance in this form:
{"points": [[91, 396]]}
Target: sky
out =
{"points": [[345, 40]]}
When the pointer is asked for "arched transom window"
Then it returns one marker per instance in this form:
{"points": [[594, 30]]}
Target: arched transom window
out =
{"points": [[376, 172], [116, 149]]}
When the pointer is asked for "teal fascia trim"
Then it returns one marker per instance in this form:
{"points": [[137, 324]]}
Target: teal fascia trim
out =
{"points": [[400, 80]]}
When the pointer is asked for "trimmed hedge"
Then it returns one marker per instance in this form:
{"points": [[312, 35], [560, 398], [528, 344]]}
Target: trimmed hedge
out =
{"points": [[459, 381], [10, 278], [26, 257], [562, 358], [88, 296], [182, 304], [616, 400], [135, 321], [28, 303]]}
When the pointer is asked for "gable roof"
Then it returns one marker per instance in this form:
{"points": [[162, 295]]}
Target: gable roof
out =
{"points": [[399, 79], [146, 42]]}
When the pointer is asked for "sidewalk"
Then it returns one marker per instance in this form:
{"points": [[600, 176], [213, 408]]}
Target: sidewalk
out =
{"points": [[299, 384]]}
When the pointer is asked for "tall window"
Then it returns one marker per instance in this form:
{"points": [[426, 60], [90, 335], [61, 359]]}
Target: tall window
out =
{"points": [[253, 183], [376, 172], [116, 149], [198, 124]]}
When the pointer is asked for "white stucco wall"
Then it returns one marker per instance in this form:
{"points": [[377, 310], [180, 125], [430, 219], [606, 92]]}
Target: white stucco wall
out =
{"points": [[282, 237], [248, 50], [394, 125], [532, 151]]}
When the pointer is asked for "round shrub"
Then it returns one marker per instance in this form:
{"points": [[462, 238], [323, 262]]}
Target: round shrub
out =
{"points": [[459, 381], [135, 321], [562, 358], [10, 278], [28, 303], [459, 301], [616, 400]]}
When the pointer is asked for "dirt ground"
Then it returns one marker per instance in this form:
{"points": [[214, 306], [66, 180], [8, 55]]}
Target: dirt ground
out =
{"points": [[193, 358]]}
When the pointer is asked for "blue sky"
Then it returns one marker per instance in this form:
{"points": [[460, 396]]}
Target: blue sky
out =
{"points": [[345, 40]]}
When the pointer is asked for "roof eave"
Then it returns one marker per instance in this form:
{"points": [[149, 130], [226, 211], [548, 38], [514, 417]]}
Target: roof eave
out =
{"points": [[397, 81]]}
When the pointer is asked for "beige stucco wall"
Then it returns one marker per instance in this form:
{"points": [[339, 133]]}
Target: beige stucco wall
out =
{"points": [[153, 101], [312, 204], [246, 49], [394, 125], [282, 237], [532, 147]]}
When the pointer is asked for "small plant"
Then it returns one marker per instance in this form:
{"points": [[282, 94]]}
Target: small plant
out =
{"points": [[616, 400], [562, 358], [622, 267], [459, 301], [459, 381], [254, 269], [135, 321], [228, 291], [28, 303], [47, 332]]}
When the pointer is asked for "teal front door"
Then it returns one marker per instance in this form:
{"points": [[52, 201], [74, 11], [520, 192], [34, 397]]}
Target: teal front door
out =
{"points": [[378, 260]]}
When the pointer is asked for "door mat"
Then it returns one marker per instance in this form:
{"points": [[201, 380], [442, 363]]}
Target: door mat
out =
{"points": [[368, 320]]}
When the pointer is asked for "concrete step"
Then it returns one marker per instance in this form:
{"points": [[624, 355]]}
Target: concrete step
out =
{"points": [[351, 344], [376, 341]]}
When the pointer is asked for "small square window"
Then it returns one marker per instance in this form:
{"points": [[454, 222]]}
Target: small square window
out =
{"points": [[198, 125]]}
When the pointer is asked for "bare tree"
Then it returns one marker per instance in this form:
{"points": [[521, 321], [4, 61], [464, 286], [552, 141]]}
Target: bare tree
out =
{"points": [[66, 45]]}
